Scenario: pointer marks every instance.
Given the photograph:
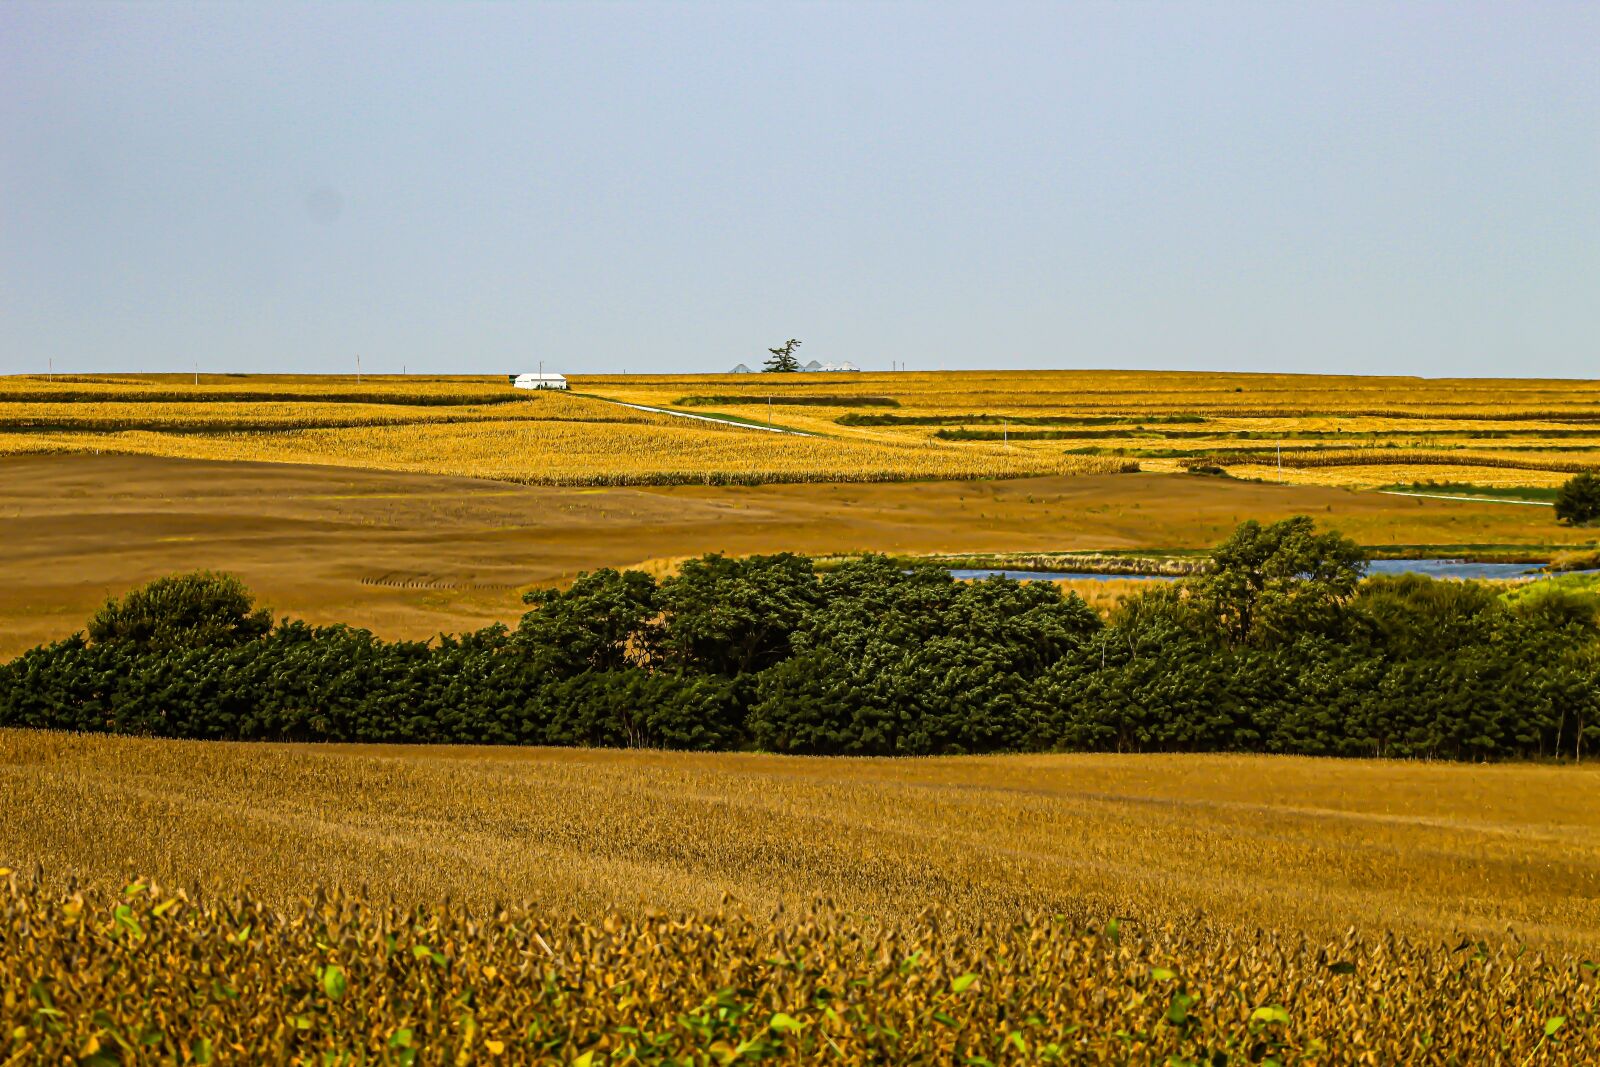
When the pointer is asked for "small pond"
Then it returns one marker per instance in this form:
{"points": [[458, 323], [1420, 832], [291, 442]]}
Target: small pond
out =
{"points": [[1433, 568]]}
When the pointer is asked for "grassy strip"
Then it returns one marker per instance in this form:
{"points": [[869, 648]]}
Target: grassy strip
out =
{"points": [[1177, 562], [1494, 492], [1303, 460], [1289, 438], [789, 399], [256, 396], [1578, 415], [1323, 456], [853, 419], [707, 416], [1075, 563], [763, 424], [1171, 563], [183, 428], [1216, 455], [1155, 415], [1471, 553]]}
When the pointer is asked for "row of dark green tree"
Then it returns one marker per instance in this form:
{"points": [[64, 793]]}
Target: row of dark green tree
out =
{"points": [[1281, 646]]}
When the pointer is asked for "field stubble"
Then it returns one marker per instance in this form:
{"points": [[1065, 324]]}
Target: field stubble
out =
{"points": [[1282, 843]]}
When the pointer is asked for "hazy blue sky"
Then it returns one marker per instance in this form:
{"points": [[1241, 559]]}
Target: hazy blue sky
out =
{"points": [[1386, 188]]}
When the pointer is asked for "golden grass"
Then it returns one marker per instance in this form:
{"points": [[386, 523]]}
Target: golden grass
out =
{"points": [[1309, 908]]}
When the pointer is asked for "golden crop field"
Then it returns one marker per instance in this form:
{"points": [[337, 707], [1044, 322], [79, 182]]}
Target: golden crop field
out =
{"points": [[1337, 430], [1282, 843], [652, 451], [470, 427], [1359, 432], [541, 905]]}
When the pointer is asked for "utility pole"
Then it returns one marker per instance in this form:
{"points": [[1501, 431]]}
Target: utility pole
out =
{"points": [[197, 372], [50, 375], [358, 368]]}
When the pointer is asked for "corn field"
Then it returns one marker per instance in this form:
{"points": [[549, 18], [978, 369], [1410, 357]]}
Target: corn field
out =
{"points": [[469, 428], [1361, 432], [1366, 428]]}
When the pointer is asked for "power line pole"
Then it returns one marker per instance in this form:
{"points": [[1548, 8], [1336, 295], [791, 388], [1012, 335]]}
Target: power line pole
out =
{"points": [[358, 368]]}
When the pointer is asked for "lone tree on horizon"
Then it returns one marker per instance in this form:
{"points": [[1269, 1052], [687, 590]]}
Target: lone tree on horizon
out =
{"points": [[783, 359]]}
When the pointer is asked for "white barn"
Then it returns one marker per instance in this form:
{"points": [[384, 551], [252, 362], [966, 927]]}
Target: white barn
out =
{"points": [[539, 381]]}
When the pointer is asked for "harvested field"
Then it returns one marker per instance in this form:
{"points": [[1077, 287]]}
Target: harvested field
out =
{"points": [[1285, 844], [411, 555]]}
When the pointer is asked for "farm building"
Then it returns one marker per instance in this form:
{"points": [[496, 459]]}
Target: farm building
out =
{"points": [[539, 381], [741, 369]]}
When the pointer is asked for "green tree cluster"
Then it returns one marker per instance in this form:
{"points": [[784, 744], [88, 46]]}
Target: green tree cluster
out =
{"points": [[1578, 501], [1281, 646]]}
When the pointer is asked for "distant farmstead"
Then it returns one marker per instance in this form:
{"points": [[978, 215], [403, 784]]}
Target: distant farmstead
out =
{"points": [[539, 381], [810, 368]]}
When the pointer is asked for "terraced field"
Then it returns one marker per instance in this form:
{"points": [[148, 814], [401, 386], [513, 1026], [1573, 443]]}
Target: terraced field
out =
{"points": [[470, 427], [1333, 430], [1347, 431]]}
